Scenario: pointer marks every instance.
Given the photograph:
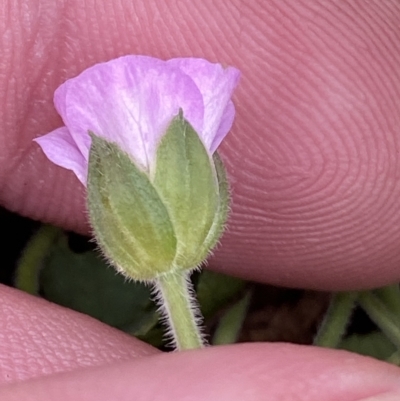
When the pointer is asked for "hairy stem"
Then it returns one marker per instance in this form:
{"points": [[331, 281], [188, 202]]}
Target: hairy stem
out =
{"points": [[176, 297]]}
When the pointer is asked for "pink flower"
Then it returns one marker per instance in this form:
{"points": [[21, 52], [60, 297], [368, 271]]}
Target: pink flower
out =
{"points": [[131, 100]]}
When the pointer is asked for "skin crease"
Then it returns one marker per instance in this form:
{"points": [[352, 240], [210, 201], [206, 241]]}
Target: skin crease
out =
{"points": [[314, 166]]}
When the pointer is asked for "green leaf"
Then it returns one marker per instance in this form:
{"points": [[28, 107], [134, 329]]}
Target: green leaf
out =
{"points": [[129, 220], [186, 180], [85, 283], [374, 344], [29, 265]]}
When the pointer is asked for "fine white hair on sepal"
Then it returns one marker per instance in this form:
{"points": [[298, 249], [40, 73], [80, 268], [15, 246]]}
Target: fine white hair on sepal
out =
{"points": [[164, 309]]}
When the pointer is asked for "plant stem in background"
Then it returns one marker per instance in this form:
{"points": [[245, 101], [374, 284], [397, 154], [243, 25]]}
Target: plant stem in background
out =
{"points": [[390, 295], [394, 358], [231, 323], [336, 320], [381, 316], [175, 296], [30, 263]]}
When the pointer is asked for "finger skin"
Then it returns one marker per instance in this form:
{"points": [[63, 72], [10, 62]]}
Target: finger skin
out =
{"points": [[313, 157], [39, 338], [69, 356], [245, 372]]}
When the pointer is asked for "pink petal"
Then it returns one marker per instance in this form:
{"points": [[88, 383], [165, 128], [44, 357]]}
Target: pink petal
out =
{"points": [[129, 101], [226, 124], [216, 85], [61, 149]]}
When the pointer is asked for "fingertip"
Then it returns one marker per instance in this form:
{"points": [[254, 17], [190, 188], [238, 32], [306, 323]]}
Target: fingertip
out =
{"points": [[241, 372], [40, 338]]}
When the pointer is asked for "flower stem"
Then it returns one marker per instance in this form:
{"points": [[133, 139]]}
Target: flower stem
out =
{"points": [[388, 322], [337, 317], [175, 295]]}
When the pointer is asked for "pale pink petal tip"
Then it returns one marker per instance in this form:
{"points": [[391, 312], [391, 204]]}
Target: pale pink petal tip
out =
{"points": [[60, 148], [216, 85]]}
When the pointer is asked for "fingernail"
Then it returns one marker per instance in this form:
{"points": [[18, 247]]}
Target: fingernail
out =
{"points": [[384, 397]]}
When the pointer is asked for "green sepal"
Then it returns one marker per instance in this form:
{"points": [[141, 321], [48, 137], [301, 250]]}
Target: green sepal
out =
{"points": [[221, 215], [186, 179], [130, 221]]}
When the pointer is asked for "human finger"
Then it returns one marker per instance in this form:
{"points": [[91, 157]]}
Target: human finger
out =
{"points": [[312, 158]]}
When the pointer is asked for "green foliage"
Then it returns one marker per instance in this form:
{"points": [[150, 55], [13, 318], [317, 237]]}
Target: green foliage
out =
{"points": [[26, 277], [85, 283], [374, 344], [214, 290], [230, 324]]}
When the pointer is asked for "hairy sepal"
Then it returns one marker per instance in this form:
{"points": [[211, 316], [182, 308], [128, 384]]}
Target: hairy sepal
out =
{"points": [[130, 221], [188, 182]]}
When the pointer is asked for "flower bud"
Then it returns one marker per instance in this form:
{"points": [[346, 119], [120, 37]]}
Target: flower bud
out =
{"points": [[169, 218]]}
